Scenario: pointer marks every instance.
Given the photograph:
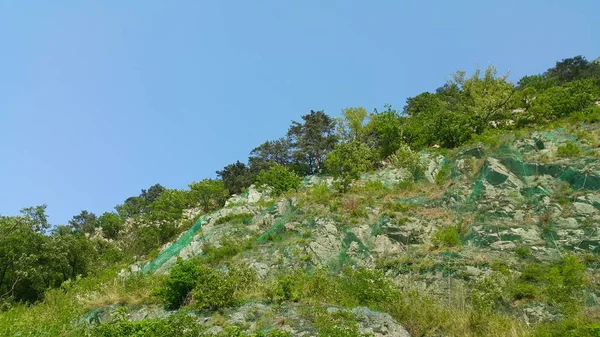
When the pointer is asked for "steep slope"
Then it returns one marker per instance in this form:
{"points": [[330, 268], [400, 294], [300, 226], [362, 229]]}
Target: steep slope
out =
{"points": [[503, 234]]}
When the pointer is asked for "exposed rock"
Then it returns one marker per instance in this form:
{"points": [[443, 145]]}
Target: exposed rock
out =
{"points": [[433, 164], [582, 209]]}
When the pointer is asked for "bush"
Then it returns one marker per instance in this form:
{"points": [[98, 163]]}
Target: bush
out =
{"points": [[236, 218], [347, 162], [182, 279], [211, 194], [111, 225], [214, 290], [320, 194], [446, 237], [287, 287], [569, 150], [408, 159], [279, 178], [229, 248], [178, 325]]}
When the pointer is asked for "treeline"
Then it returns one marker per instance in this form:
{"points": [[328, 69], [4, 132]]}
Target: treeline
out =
{"points": [[34, 257]]}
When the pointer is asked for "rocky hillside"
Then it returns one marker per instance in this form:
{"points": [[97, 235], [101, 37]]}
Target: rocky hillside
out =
{"points": [[506, 228], [473, 211]]}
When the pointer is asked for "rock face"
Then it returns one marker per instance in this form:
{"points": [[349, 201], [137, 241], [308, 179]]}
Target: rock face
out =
{"points": [[378, 324], [507, 206]]}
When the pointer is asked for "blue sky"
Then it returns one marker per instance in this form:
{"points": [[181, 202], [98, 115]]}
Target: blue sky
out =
{"points": [[99, 99]]}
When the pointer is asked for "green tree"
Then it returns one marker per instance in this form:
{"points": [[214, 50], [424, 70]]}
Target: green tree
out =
{"points": [[210, 193], [236, 177], [312, 139], [347, 161], [487, 98], [558, 102], [387, 129], [85, 222], [111, 225], [276, 151], [570, 69], [423, 103], [406, 158], [169, 206], [279, 178], [353, 125]]}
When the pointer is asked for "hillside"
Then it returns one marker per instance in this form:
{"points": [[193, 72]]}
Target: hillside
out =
{"points": [[475, 212]]}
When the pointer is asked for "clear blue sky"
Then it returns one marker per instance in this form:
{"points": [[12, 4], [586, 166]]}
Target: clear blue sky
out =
{"points": [[99, 99]]}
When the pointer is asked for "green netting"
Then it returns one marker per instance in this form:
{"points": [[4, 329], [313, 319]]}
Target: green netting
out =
{"points": [[278, 226], [175, 248], [347, 241]]}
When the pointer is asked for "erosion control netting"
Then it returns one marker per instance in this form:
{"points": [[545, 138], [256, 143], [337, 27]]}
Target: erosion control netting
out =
{"points": [[512, 165], [278, 226], [175, 248]]}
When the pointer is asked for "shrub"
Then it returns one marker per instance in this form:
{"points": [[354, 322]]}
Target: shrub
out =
{"points": [[229, 248], [178, 325], [214, 290], [338, 324], [182, 279], [211, 194], [287, 287], [523, 252], [446, 237], [569, 150], [347, 162], [279, 178], [236, 218], [320, 194], [111, 225], [366, 286], [408, 159]]}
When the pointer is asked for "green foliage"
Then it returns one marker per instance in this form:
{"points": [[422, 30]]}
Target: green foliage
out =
{"points": [[561, 283], [486, 98], [560, 101], [347, 161], [337, 324], [387, 129], [486, 294], [569, 150], [182, 279], [575, 68], [204, 287], [406, 158], [236, 218], [446, 237], [111, 225], [138, 205], [277, 151], [312, 140], [523, 252], [169, 205], [210, 193], [227, 249], [320, 194], [570, 327], [444, 173], [213, 290], [31, 261], [236, 177], [279, 178], [178, 325], [287, 287], [353, 126], [85, 222]]}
